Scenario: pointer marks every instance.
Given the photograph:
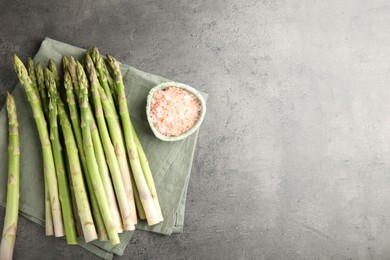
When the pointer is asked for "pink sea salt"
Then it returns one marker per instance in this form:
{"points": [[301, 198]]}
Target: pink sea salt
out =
{"points": [[174, 111]]}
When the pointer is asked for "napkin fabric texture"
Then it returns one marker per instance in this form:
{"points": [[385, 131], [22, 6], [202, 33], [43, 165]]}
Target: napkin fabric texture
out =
{"points": [[170, 162]]}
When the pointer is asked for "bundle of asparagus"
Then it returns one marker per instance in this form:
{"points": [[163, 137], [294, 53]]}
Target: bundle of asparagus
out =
{"points": [[96, 185]]}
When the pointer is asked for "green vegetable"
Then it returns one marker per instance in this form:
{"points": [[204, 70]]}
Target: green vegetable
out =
{"points": [[48, 160], [12, 207], [81, 196], [67, 211], [45, 106], [109, 151], [117, 140], [92, 164], [75, 119], [79, 229], [103, 146], [151, 212]]}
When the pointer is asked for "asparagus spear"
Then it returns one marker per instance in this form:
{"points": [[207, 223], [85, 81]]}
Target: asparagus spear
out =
{"points": [[151, 212], [102, 230], [101, 138], [12, 208], [101, 161], [67, 212], [45, 107], [91, 159], [75, 119], [110, 152], [81, 197], [105, 77], [116, 137], [48, 161], [79, 228]]}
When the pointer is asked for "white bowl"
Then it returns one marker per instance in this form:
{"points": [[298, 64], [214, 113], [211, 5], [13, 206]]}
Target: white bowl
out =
{"points": [[178, 85]]}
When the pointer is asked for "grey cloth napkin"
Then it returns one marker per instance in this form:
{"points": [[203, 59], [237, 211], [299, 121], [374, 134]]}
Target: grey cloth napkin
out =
{"points": [[170, 162]]}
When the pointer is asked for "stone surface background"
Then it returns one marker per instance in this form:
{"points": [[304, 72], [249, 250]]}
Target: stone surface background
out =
{"points": [[293, 159]]}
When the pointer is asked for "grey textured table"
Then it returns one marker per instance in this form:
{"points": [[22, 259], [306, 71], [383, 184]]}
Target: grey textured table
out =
{"points": [[293, 159]]}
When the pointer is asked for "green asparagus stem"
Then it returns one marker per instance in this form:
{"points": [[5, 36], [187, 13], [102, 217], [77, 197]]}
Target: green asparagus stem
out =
{"points": [[111, 99], [152, 215], [98, 149], [102, 166], [81, 197], [101, 161], [75, 119], [74, 115], [91, 159], [76, 216], [45, 107], [48, 161], [110, 153], [117, 140], [67, 211], [138, 203], [12, 208], [79, 228], [147, 173], [105, 173], [48, 216]]}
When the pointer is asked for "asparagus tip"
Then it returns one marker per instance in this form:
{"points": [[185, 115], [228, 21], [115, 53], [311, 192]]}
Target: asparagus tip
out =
{"points": [[110, 58], [90, 69], [114, 64], [39, 71], [17, 60], [52, 66], [65, 62], [49, 81], [67, 80], [21, 71], [51, 63], [30, 62], [79, 70], [95, 55]]}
